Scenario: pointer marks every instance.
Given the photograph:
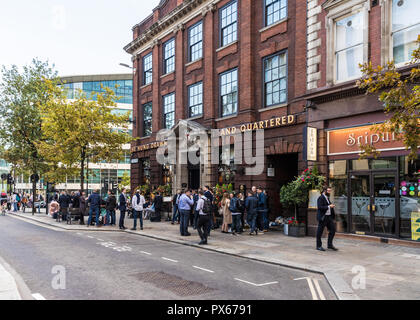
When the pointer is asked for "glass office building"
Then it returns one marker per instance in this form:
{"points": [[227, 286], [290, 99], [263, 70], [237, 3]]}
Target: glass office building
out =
{"points": [[100, 174]]}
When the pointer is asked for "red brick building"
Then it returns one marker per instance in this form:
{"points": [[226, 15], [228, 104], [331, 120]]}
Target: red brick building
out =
{"points": [[237, 42], [227, 63]]}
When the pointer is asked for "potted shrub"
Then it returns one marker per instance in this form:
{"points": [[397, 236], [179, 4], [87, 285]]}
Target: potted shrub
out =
{"points": [[296, 228]]}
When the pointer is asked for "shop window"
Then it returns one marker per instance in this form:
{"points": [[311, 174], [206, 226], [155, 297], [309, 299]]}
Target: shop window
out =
{"points": [[405, 29], [409, 199], [228, 25], [338, 183]]}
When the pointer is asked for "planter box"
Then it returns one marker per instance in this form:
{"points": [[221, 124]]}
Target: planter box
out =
{"points": [[298, 232]]}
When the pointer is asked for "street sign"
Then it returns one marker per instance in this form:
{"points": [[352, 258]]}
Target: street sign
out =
{"points": [[3, 176]]}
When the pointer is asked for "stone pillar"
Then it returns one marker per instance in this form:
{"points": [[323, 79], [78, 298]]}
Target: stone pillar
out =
{"points": [[314, 42]]}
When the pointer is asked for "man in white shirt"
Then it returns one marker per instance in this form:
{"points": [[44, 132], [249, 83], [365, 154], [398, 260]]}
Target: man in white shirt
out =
{"points": [[137, 204]]}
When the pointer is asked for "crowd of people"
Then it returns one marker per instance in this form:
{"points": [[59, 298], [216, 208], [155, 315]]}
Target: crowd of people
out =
{"points": [[16, 201], [190, 208], [198, 208]]}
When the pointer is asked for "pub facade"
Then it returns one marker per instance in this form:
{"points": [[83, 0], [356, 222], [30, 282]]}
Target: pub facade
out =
{"points": [[290, 68], [234, 66]]}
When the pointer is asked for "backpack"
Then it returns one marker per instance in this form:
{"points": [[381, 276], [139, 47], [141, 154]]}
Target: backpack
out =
{"points": [[240, 206], [207, 207], [232, 205]]}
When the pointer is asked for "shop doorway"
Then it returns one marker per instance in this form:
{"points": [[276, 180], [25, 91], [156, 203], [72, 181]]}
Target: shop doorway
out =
{"points": [[373, 203]]}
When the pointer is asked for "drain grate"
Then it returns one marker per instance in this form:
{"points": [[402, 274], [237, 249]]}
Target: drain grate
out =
{"points": [[174, 284]]}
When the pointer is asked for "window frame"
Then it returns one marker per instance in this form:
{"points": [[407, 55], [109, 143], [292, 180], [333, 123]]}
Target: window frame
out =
{"points": [[221, 97], [145, 71], [221, 44], [164, 68], [391, 34], [264, 98], [347, 8], [265, 13], [151, 120], [189, 99], [190, 44], [166, 113]]}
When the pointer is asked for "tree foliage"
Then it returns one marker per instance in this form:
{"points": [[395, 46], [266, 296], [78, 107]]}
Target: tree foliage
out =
{"points": [[400, 95], [21, 95], [81, 130]]}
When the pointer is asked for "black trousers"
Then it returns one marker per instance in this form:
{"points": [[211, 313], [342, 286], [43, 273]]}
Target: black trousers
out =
{"points": [[203, 226], [122, 217], [330, 224]]}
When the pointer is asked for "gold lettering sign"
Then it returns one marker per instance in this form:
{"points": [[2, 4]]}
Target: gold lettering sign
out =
{"points": [[260, 125], [149, 146]]}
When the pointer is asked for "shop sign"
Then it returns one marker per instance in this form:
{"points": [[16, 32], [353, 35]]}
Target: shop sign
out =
{"points": [[350, 140], [271, 172], [312, 146], [415, 226], [149, 146], [260, 125]]}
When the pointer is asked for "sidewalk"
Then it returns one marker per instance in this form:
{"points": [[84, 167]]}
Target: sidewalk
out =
{"points": [[392, 271], [8, 287]]}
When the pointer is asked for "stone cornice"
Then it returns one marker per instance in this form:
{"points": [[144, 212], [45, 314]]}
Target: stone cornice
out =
{"points": [[163, 24]]}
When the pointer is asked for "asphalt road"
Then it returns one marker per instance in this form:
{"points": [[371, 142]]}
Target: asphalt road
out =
{"points": [[111, 265]]}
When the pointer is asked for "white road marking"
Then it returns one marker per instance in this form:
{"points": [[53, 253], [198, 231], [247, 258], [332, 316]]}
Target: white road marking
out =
{"points": [[167, 259], [203, 269], [311, 287], [318, 289], [408, 255], [90, 237], [100, 239], [79, 233], [144, 252], [256, 285], [38, 296]]}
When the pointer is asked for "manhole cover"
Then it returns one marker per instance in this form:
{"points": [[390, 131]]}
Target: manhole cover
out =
{"points": [[174, 284]]}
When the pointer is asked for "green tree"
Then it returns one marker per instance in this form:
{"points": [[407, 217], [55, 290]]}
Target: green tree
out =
{"points": [[82, 130], [400, 94], [22, 93], [125, 181]]}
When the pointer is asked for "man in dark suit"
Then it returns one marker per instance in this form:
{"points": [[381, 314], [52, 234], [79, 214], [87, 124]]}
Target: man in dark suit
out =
{"points": [[123, 208], [326, 218], [158, 207]]}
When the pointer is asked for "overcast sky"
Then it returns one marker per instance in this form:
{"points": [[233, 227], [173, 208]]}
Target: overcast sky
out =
{"points": [[78, 36]]}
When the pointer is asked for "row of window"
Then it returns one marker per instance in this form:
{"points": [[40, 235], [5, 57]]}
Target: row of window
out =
{"points": [[275, 93], [275, 10], [122, 89], [350, 38]]}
